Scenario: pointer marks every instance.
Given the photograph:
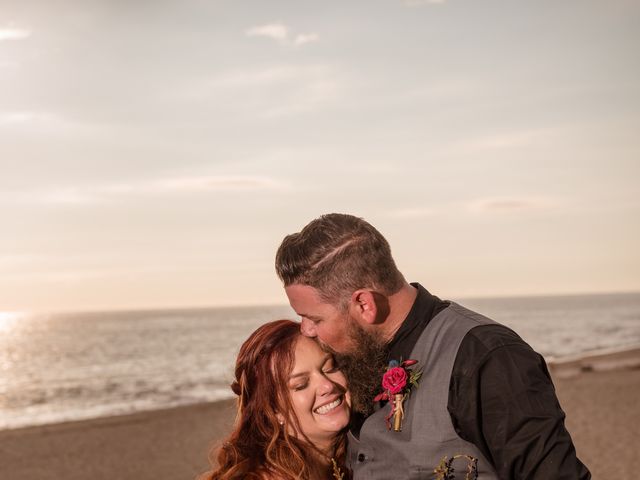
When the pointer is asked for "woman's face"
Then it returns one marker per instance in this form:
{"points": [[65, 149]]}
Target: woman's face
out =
{"points": [[318, 393]]}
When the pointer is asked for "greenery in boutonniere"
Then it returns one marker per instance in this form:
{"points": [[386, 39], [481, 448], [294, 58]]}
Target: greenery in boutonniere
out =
{"points": [[337, 472], [397, 382]]}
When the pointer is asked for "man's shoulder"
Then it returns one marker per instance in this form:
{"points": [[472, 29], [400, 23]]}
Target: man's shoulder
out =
{"points": [[487, 332], [492, 336], [495, 345], [489, 341]]}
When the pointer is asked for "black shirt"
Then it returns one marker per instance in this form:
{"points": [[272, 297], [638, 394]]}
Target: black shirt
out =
{"points": [[501, 398]]}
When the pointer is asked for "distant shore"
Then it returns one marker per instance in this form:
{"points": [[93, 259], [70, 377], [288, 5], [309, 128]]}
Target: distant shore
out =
{"points": [[620, 358], [598, 392]]}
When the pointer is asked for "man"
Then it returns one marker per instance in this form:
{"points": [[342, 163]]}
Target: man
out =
{"points": [[485, 403]]}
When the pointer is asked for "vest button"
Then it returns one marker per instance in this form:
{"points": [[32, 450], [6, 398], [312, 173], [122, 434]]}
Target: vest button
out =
{"points": [[362, 457]]}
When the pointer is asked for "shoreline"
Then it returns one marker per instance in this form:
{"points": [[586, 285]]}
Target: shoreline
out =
{"points": [[626, 357], [598, 393], [560, 367], [122, 418]]}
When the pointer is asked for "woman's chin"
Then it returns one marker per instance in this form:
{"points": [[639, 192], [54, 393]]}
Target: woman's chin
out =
{"points": [[336, 421]]}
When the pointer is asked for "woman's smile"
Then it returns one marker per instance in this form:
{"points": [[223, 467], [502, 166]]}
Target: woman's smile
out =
{"points": [[328, 407]]}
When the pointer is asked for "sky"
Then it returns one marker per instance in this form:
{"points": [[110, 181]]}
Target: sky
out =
{"points": [[154, 153]]}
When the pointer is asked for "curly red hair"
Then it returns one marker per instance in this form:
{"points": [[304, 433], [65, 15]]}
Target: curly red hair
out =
{"points": [[260, 447]]}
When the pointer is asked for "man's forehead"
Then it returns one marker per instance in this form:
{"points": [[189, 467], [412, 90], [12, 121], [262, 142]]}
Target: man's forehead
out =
{"points": [[307, 302], [303, 294]]}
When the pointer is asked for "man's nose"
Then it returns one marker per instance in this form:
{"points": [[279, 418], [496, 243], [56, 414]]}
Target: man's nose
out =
{"points": [[308, 328]]}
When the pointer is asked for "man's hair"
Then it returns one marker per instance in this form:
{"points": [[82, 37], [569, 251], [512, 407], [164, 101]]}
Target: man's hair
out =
{"points": [[338, 254]]}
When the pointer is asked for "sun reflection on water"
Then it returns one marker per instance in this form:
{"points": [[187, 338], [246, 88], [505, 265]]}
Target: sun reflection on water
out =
{"points": [[8, 319]]}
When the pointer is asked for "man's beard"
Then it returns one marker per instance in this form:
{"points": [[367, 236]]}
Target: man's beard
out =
{"points": [[363, 366]]}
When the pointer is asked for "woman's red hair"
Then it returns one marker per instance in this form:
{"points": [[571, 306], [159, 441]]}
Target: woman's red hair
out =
{"points": [[260, 447]]}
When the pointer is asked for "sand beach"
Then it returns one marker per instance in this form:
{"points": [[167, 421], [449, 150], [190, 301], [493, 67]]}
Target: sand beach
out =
{"points": [[599, 394]]}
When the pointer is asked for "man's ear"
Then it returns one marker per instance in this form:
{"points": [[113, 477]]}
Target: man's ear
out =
{"points": [[363, 306]]}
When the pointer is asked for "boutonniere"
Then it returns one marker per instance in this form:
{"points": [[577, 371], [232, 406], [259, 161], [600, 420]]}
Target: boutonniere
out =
{"points": [[337, 471], [397, 382]]}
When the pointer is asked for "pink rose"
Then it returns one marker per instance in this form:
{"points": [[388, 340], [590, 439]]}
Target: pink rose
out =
{"points": [[394, 380]]}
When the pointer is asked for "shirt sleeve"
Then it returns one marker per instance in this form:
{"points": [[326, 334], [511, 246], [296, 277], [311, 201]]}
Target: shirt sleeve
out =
{"points": [[502, 399]]}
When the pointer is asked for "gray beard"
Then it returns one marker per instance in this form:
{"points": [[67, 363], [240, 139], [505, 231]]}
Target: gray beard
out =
{"points": [[363, 367]]}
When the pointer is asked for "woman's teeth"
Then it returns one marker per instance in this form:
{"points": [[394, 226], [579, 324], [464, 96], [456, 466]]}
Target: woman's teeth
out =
{"points": [[324, 409]]}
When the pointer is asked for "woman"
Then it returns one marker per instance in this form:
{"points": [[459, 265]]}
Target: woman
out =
{"points": [[293, 409]]}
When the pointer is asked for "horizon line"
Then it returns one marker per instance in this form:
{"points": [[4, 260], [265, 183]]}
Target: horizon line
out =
{"points": [[173, 308]]}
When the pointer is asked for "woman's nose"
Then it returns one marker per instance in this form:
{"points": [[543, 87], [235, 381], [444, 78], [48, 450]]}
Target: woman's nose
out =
{"points": [[326, 386]]}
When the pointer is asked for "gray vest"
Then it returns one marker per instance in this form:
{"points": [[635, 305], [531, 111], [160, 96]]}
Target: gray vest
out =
{"points": [[427, 432]]}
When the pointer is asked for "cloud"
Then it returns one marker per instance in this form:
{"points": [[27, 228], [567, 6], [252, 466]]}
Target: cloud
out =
{"points": [[8, 64], [276, 31], [18, 260], [310, 96], [510, 204], [195, 184], [70, 196], [509, 140], [59, 276], [15, 117], [14, 34], [98, 194], [271, 75], [417, 3], [418, 212], [519, 139], [276, 91], [24, 117], [304, 38], [51, 196], [281, 33], [38, 123]]}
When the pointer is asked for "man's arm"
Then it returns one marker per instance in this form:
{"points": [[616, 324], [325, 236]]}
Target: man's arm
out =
{"points": [[501, 398]]}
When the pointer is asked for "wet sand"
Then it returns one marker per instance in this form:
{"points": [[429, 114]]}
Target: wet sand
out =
{"points": [[600, 395]]}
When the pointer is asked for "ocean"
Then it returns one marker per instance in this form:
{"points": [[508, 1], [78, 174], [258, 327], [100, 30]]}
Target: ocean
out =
{"points": [[62, 367]]}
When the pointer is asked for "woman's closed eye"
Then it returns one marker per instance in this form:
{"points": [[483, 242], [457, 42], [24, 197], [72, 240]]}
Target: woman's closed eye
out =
{"points": [[300, 385], [330, 367]]}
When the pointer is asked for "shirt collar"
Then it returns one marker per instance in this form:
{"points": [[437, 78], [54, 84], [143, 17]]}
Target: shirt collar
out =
{"points": [[424, 308]]}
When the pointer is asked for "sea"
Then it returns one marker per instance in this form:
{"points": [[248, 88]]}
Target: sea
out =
{"points": [[72, 366]]}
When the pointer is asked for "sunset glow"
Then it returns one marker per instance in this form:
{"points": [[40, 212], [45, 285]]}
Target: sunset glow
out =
{"points": [[155, 154], [8, 319]]}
